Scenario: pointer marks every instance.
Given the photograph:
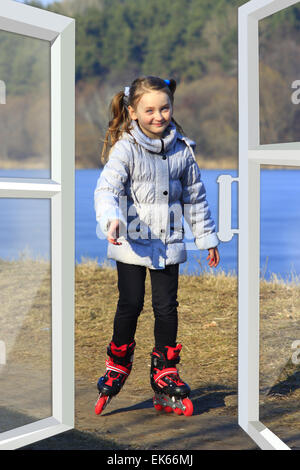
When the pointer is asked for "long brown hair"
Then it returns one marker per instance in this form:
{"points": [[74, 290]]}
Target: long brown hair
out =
{"points": [[120, 119]]}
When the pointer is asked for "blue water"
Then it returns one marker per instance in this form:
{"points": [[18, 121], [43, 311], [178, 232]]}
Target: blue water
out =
{"points": [[25, 224]]}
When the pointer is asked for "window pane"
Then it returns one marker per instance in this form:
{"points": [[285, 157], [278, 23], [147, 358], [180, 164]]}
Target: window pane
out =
{"points": [[24, 104], [25, 315], [280, 304], [279, 76]]}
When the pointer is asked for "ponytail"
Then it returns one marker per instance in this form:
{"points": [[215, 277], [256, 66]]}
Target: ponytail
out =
{"points": [[119, 122]]}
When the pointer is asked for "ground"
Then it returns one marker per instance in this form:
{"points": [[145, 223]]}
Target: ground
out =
{"points": [[208, 317]]}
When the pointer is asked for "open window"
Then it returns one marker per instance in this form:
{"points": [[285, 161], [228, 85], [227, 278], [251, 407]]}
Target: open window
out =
{"points": [[37, 130], [268, 340]]}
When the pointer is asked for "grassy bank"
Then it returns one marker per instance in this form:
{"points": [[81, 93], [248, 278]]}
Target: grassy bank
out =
{"points": [[229, 163], [36, 163], [208, 321]]}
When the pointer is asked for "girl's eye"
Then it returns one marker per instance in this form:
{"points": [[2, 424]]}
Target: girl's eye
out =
{"points": [[150, 110]]}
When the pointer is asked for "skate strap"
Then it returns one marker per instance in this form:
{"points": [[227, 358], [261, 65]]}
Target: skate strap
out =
{"points": [[160, 363], [120, 351], [116, 368], [169, 370]]}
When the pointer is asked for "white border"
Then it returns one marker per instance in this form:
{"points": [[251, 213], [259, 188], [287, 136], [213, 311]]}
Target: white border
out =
{"points": [[251, 156], [60, 31]]}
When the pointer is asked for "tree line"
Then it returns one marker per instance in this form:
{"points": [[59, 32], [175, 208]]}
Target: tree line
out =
{"points": [[192, 41]]}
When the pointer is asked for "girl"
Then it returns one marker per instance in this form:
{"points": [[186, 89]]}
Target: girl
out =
{"points": [[149, 182]]}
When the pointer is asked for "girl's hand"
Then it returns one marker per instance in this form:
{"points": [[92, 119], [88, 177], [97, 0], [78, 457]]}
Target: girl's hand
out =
{"points": [[213, 256], [113, 232]]}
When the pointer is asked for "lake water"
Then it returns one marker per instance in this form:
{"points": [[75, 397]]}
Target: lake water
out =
{"points": [[25, 223]]}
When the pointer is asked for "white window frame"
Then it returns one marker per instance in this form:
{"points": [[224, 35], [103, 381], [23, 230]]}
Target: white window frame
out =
{"points": [[60, 189], [251, 156]]}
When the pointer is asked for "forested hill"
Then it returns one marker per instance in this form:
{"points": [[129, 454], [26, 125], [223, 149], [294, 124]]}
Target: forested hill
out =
{"points": [[193, 41], [181, 38]]}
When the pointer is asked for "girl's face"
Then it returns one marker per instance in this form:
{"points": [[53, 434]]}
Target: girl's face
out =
{"points": [[153, 113]]}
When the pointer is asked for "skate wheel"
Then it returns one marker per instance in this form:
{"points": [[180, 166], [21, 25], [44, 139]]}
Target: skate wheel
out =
{"points": [[157, 406], [168, 409], [100, 405], [178, 411], [189, 408]]}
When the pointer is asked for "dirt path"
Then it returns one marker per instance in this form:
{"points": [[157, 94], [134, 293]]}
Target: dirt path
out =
{"points": [[134, 421], [131, 422]]}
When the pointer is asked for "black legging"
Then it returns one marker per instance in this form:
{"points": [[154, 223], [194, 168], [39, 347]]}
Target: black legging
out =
{"points": [[131, 285]]}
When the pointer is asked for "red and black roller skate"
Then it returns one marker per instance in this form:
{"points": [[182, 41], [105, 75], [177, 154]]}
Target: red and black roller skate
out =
{"points": [[171, 393], [118, 368]]}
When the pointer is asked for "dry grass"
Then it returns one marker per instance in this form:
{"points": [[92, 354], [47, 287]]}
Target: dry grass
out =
{"points": [[30, 163], [226, 163], [35, 163], [207, 323], [207, 329], [25, 319]]}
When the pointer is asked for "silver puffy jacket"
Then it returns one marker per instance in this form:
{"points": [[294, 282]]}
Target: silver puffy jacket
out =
{"points": [[152, 186]]}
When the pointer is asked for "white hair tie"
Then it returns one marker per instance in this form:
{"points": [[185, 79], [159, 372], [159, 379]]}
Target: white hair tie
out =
{"points": [[126, 96]]}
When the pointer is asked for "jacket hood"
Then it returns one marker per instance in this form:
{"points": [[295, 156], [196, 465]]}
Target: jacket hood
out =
{"points": [[162, 144]]}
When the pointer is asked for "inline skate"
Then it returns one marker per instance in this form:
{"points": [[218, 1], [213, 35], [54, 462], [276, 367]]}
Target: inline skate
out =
{"points": [[118, 368], [171, 393]]}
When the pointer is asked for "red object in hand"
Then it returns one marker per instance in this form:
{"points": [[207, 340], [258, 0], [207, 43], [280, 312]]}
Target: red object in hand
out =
{"points": [[213, 257], [113, 232]]}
